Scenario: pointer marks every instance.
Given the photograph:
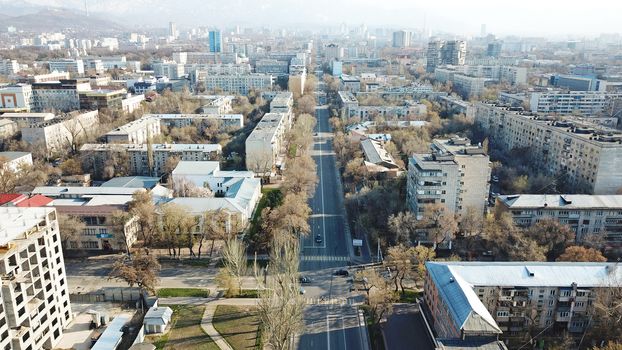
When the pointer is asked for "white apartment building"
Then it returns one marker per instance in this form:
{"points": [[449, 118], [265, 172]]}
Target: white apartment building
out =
{"points": [[9, 67], [8, 128], [206, 58], [57, 135], [132, 103], [43, 78], [24, 120], [201, 121], [16, 98], [15, 160], [135, 132], [283, 102], [218, 68], [265, 145], [587, 215], [455, 174], [469, 86], [172, 70], [587, 155], [350, 108], [215, 104], [512, 298], [67, 65], [138, 155], [239, 83], [585, 103], [34, 302]]}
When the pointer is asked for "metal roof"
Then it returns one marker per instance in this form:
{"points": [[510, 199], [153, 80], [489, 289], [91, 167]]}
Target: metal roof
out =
{"points": [[563, 201], [110, 339]]}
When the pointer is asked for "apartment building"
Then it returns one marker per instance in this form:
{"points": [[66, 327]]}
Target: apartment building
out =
{"points": [[215, 104], [24, 120], [139, 159], [15, 160], [201, 121], [587, 215], [239, 83], [67, 65], [8, 128], [205, 58], [16, 98], [135, 132], [272, 66], [34, 302], [265, 145], [60, 95], [283, 102], [455, 174], [9, 67], [451, 52], [402, 38], [469, 86], [585, 103], [132, 102], [350, 83], [44, 78], [171, 70], [507, 299], [60, 134], [587, 156], [352, 109], [218, 68]]}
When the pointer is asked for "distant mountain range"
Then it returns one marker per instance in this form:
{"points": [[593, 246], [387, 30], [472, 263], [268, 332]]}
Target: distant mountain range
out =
{"points": [[56, 19]]}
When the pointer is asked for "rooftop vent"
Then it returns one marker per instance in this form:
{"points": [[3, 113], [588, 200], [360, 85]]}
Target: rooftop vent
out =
{"points": [[530, 273]]}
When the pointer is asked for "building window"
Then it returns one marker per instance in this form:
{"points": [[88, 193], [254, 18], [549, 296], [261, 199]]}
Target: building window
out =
{"points": [[90, 245]]}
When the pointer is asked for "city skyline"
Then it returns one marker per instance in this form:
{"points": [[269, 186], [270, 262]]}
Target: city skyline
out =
{"points": [[529, 18]]}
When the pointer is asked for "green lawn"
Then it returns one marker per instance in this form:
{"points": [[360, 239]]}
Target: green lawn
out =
{"points": [[239, 325], [183, 292], [186, 332]]}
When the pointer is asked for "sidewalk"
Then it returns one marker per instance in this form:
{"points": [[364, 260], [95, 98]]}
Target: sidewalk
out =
{"points": [[208, 316]]}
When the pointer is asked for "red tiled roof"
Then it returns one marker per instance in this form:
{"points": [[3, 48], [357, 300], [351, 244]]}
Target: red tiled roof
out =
{"points": [[10, 197], [34, 201]]}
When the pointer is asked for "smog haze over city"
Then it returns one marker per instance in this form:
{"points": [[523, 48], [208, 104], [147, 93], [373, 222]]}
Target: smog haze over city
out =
{"points": [[310, 175]]}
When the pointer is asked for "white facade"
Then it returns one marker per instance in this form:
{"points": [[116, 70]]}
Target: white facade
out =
{"points": [[35, 298], [240, 84], [265, 145], [16, 160], [8, 67], [24, 120], [586, 103], [58, 134], [16, 97], [135, 132], [131, 103], [62, 96], [455, 174], [67, 65]]}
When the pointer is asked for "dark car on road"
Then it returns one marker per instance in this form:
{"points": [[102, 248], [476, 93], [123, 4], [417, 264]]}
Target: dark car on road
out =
{"points": [[318, 239], [304, 279], [342, 272]]}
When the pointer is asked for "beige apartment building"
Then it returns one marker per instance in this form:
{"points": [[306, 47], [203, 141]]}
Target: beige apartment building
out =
{"points": [[587, 215], [455, 174], [585, 155], [138, 155], [34, 298]]}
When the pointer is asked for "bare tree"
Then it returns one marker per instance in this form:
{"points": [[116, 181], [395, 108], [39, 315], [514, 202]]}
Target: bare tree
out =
{"points": [[70, 228], [142, 206], [182, 187], [399, 259], [143, 271], [281, 304], [380, 298], [234, 266], [403, 226], [439, 222]]}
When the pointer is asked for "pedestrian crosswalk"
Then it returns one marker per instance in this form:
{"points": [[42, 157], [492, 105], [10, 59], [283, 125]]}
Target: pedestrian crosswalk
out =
{"points": [[324, 258], [328, 301]]}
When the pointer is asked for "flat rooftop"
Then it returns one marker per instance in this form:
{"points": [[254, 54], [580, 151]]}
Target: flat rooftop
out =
{"points": [[14, 221], [561, 201]]}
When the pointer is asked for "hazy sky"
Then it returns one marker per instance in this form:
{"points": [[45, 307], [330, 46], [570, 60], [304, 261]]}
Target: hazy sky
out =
{"points": [[523, 17]]}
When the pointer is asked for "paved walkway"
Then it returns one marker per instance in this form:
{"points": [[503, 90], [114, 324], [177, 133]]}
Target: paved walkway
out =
{"points": [[208, 316]]}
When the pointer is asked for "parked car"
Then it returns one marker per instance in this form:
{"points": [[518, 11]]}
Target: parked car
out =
{"points": [[318, 239], [302, 291], [495, 178], [304, 279], [342, 272]]}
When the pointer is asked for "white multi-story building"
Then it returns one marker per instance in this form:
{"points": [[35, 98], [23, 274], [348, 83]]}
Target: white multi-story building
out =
{"points": [[135, 132], [43, 78], [60, 134], [283, 102], [35, 307], [9, 67], [455, 174], [215, 104], [206, 58], [587, 215], [265, 145], [24, 120], [509, 299], [585, 103], [132, 103], [8, 128], [469, 86], [67, 65], [172, 70], [239, 83], [139, 155], [201, 121], [16, 98], [218, 68], [15, 160], [585, 155], [351, 108]]}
